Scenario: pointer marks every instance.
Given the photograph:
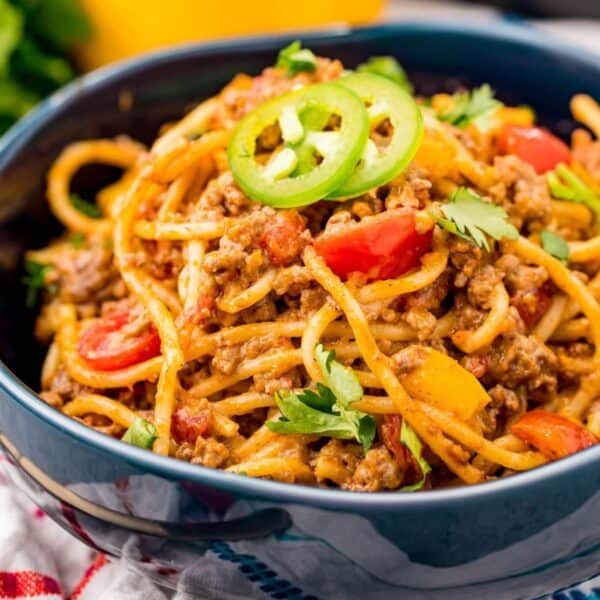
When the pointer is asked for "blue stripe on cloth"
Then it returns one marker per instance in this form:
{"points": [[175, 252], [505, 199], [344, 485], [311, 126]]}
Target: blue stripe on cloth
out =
{"points": [[260, 574]]}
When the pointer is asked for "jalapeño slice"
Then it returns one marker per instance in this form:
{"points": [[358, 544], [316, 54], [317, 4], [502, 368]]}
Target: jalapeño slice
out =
{"points": [[386, 102], [324, 129]]}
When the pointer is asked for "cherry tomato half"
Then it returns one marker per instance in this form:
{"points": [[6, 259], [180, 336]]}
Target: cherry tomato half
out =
{"points": [[105, 346], [553, 435], [381, 247], [536, 146]]}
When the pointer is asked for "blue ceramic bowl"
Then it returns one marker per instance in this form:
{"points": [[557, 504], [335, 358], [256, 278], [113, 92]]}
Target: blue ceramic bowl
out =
{"points": [[232, 536]]}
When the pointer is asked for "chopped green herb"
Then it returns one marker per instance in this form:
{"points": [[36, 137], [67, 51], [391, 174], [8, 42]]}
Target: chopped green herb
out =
{"points": [[77, 240], [35, 280], [410, 439], [342, 380], [564, 184], [389, 67], [141, 433], [555, 245], [87, 208], [328, 411], [475, 106], [296, 59], [471, 217]]}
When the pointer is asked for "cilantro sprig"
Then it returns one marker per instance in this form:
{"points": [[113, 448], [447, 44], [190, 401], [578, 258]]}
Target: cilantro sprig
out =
{"points": [[472, 218], [295, 59], [328, 411], [555, 245], [566, 185], [389, 67], [35, 280], [475, 106], [87, 208], [410, 439]]}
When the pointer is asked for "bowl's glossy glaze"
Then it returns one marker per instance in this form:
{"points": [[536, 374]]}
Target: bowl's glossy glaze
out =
{"points": [[516, 538]]}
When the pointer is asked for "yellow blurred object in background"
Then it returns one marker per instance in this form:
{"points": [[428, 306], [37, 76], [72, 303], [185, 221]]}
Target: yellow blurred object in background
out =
{"points": [[123, 28]]}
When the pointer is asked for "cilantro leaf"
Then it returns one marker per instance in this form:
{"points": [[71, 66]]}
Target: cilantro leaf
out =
{"points": [[322, 400], [328, 411], [555, 245], [342, 380], [566, 185], [389, 67], [410, 439], [87, 208], [471, 217], [475, 106], [295, 59], [301, 418], [35, 280]]}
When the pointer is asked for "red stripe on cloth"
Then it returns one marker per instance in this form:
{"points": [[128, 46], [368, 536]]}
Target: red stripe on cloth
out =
{"points": [[100, 561], [25, 584], [71, 517]]}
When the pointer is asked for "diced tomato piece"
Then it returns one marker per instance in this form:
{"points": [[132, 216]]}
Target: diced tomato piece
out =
{"points": [[536, 146], [381, 247], [281, 238], [202, 311], [106, 345], [553, 435], [532, 306], [188, 427], [390, 434]]}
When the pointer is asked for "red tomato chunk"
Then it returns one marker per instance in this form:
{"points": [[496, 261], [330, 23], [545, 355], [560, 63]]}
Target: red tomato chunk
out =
{"points": [[118, 341], [553, 435], [536, 146], [380, 247]]}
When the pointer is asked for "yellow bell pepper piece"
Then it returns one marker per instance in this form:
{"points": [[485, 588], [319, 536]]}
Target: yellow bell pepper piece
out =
{"points": [[440, 381], [437, 157]]}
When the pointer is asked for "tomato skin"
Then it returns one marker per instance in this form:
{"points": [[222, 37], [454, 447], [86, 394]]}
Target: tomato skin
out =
{"points": [[104, 348], [380, 247], [532, 313], [390, 435], [553, 435], [536, 146], [281, 238], [188, 427]]}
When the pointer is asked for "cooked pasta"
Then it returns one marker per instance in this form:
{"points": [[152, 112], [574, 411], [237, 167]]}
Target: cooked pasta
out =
{"points": [[315, 278]]}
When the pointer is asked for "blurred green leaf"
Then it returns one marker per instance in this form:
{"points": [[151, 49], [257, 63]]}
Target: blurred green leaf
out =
{"points": [[11, 31], [30, 61], [61, 23], [15, 100], [34, 36]]}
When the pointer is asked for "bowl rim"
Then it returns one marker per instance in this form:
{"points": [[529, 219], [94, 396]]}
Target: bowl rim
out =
{"points": [[176, 469]]}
